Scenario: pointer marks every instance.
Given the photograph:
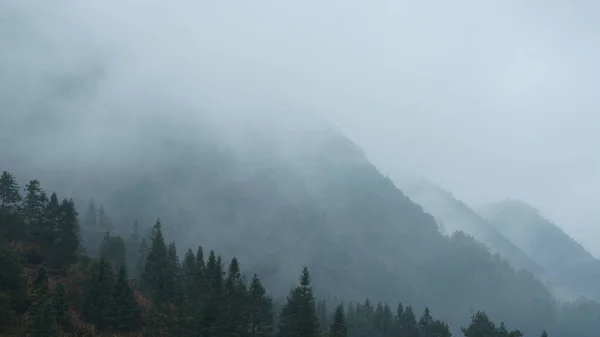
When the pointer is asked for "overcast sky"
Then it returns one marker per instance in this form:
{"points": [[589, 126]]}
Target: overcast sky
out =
{"points": [[490, 99]]}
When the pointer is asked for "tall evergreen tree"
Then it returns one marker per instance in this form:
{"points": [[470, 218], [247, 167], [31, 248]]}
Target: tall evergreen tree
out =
{"points": [[98, 304], [34, 211], [66, 247], [338, 326], [408, 323], [298, 317], [113, 249], [10, 208], [235, 314], [480, 326], [260, 310], [156, 279], [127, 310]]}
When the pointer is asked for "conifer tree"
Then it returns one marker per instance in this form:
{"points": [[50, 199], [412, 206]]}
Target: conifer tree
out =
{"points": [[235, 313], [98, 304], [298, 317], [425, 324], [338, 325], [260, 310], [67, 236], [544, 333], [34, 211], [408, 324], [127, 310], [10, 204], [156, 279], [480, 326], [113, 250], [60, 302]]}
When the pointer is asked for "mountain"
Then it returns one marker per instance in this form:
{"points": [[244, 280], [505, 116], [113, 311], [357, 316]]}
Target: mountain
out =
{"points": [[281, 199], [454, 215], [571, 267]]}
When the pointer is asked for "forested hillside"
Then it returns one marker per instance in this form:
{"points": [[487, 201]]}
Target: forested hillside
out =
{"points": [[319, 203], [49, 287]]}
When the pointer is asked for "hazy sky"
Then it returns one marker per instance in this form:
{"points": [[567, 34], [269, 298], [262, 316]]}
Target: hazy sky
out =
{"points": [[491, 99]]}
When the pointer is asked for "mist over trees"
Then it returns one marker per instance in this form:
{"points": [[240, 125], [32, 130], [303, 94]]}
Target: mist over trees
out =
{"points": [[175, 297]]}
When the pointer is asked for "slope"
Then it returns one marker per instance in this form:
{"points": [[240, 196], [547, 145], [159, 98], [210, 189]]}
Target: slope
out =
{"points": [[572, 268], [294, 198], [454, 215]]}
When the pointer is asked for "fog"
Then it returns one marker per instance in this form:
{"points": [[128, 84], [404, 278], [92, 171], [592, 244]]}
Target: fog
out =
{"points": [[490, 100]]}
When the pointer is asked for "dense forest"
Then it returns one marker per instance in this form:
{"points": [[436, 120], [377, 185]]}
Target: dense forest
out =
{"points": [[138, 286]]}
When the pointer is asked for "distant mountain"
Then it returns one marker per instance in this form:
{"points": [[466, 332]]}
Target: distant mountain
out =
{"points": [[454, 215], [570, 266], [281, 199]]}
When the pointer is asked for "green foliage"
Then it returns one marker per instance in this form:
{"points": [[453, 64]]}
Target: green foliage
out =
{"points": [[11, 226], [60, 303], [113, 250], [338, 325], [98, 304], [260, 310], [127, 311], [13, 288], [42, 321], [298, 317], [157, 278]]}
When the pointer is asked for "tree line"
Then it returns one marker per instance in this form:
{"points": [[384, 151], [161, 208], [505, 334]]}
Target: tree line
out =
{"points": [[50, 287]]}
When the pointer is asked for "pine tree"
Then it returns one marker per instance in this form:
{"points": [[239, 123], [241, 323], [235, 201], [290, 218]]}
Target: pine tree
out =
{"points": [[544, 333], [156, 279], [480, 326], [338, 326], [98, 304], [60, 303], [260, 310], [34, 211], [211, 322], [425, 324], [113, 250], [67, 242], [127, 310], [235, 312], [298, 317], [10, 204], [408, 324]]}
